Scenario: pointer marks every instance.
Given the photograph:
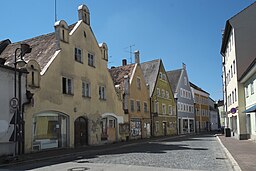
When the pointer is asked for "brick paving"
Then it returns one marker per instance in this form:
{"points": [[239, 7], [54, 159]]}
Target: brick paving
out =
{"points": [[243, 151]]}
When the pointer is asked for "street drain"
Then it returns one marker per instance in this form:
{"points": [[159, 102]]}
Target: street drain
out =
{"points": [[78, 169], [221, 158]]}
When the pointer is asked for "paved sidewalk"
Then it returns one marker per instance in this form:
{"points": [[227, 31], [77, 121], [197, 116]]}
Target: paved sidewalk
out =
{"points": [[243, 151]]}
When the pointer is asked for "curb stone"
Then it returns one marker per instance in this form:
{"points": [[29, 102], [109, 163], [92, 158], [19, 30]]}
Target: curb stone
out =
{"points": [[235, 165]]}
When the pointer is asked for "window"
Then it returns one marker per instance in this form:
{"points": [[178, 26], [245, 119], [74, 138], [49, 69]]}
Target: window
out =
{"points": [[78, 55], [163, 93], [181, 92], [138, 83], [112, 123], [246, 91], [158, 92], [102, 92], [170, 109], [86, 89], [234, 66], [235, 95], [138, 106], [167, 94], [145, 107], [252, 88], [67, 87], [231, 72], [132, 105], [163, 109], [160, 75], [156, 107], [185, 80], [178, 106], [90, 60]]}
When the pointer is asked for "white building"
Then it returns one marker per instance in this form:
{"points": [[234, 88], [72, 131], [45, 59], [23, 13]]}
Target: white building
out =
{"points": [[249, 82], [7, 112], [238, 52]]}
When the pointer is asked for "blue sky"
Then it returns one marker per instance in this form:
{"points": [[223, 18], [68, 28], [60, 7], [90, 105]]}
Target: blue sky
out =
{"points": [[176, 31]]}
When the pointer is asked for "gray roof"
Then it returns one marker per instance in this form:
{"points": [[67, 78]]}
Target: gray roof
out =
{"points": [[150, 71], [197, 88], [173, 77]]}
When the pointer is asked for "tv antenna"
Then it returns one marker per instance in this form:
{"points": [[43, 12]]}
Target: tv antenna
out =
{"points": [[55, 10], [130, 52]]}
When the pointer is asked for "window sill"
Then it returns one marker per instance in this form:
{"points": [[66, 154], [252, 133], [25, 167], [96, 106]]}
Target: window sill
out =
{"points": [[103, 99], [81, 62], [93, 66], [86, 97], [66, 94]]}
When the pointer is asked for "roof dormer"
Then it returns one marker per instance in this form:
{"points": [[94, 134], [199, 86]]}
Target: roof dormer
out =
{"points": [[61, 31], [104, 50], [84, 14]]}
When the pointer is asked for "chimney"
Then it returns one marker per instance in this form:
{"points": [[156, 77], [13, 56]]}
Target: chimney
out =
{"points": [[124, 61], [137, 56], [184, 66]]}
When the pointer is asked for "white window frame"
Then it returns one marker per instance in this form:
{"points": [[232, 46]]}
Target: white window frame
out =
{"points": [[78, 55], [86, 89], [102, 92], [138, 106], [68, 89], [252, 88], [91, 60]]}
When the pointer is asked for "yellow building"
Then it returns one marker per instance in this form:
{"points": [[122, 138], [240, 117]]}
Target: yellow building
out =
{"points": [[201, 99], [71, 99], [162, 104], [130, 82]]}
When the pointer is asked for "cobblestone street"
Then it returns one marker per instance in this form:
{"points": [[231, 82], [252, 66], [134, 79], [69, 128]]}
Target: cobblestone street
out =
{"points": [[195, 152]]}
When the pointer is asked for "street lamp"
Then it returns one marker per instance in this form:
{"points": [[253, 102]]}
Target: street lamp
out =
{"points": [[19, 53]]}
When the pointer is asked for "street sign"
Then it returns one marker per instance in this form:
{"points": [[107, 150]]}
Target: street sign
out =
{"points": [[14, 103], [233, 110]]}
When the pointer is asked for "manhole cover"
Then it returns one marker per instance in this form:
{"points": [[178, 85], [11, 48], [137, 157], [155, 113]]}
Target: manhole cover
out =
{"points": [[82, 161], [78, 169]]}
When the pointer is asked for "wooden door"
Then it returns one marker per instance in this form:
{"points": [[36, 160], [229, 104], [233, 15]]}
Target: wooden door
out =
{"points": [[81, 132]]}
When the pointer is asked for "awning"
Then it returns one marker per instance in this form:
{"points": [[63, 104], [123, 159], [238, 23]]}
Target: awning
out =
{"points": [[251, 109]]}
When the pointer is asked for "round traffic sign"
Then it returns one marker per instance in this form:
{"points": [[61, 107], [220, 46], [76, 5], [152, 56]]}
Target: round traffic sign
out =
{"points": [[14, 102]]}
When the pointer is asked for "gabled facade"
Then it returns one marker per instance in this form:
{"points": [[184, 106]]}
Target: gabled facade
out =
{"points": [[162, 104], [238, 52], [201, 108], [74, 102], [185, 102], [130, 82], [249, 82]]}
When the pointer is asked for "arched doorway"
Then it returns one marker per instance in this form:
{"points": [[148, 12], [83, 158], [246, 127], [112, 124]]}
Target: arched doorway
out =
{"points": [[81, 132]]}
